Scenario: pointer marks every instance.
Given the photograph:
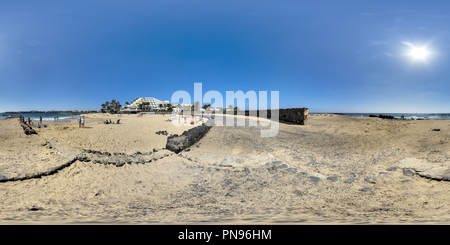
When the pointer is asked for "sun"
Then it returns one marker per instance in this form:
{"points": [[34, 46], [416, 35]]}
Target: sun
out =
{"points": [[419, 53]]}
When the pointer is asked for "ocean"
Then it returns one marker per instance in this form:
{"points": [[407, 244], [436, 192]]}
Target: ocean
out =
{"points": [[46, 117], [408, 116]]}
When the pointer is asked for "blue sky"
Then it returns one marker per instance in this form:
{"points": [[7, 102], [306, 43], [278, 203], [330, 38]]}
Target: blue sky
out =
{"points": [[329, 56]]}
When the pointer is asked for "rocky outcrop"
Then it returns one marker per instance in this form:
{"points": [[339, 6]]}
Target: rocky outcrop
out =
{"points": [[27, 128], [412, 166], [383, 116], [177, 143]]}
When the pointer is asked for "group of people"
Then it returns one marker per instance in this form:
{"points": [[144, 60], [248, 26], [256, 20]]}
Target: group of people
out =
{"points": [[22, 119], [29, 121], [109, 122], [194, 120]]}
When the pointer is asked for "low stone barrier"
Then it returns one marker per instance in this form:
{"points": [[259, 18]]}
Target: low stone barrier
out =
{"points": [[296, 115], [27, 128], [177, 143], [71, 154]]}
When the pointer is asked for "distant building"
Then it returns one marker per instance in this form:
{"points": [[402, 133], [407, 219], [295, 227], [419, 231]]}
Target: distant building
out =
{"points": [[152, 106]]}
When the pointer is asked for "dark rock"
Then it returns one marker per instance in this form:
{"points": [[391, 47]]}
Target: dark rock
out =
{"points": [[408, 172], [383, 173], [82, 158], [106, 154], [155, 150], [404, 181], [314, 179], [333, 179], [304, 173], [292, 170], [365, 189], [187, 139], [351, 180], [137, 153], [436, 129], [282, 166], [392, 169], [385, 116], [3, 178], [28, 129]]}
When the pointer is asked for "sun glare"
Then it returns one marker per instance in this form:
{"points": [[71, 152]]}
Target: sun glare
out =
{"points": [[419, 53]]}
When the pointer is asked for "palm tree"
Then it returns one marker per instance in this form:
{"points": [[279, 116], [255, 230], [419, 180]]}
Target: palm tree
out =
{"points": [[103, 108], [205, 106], [160, 106]]}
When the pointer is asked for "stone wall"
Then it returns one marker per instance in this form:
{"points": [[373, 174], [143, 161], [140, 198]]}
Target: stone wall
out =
{"points": [[177, 143], [296, 115]]}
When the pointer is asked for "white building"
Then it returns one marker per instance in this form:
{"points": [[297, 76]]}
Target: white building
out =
{"points": [[153, 105]]}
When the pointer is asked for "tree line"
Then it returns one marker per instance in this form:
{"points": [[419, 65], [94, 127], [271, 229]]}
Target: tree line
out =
{"points": [[114, 107]]}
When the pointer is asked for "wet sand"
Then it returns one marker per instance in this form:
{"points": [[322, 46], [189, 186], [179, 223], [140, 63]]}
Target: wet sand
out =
{"points": [[185, 189]]}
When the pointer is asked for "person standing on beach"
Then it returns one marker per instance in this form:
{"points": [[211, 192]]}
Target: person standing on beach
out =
{"points": [[79, 121], [29, 122], [40, 119], [82, 122]]}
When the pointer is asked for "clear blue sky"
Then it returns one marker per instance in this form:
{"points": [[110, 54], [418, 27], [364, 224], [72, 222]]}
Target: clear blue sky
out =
{"points": [[329, 56]]}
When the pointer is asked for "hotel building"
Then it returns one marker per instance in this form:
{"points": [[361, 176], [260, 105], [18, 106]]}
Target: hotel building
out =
{"points": [[154, 105]]}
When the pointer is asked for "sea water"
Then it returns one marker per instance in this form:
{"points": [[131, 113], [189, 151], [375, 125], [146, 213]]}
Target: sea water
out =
{"points": [[46, 117]]}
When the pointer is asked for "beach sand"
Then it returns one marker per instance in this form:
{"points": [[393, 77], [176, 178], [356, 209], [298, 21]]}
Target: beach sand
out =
{"points": [[189, 188]]}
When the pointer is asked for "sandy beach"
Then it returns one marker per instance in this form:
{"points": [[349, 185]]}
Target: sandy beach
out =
{"points": [[337, 169]]}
